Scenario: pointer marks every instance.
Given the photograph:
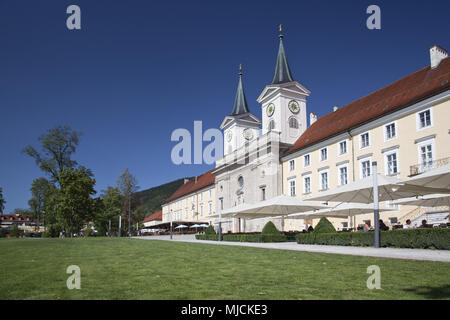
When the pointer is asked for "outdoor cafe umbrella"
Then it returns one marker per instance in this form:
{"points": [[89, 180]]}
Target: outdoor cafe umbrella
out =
{"points": [[342, 210], [278, 206], [204, 226], [181, 226], [389, 188], [431, 200], [374, 189], [435, 178]]}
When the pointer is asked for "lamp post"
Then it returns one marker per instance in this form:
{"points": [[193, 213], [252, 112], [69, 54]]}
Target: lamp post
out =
{"points": [[120, 226], [171, 224], [220, 224], [376, 212]]}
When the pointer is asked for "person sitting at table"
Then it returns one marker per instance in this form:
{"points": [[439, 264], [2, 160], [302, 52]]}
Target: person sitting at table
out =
{"points": [[383, 227], [424, 224], [407, 225]]}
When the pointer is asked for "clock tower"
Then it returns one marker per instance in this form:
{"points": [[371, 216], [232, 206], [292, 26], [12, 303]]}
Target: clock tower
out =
{"points": [[284, 102], [241, 126]]}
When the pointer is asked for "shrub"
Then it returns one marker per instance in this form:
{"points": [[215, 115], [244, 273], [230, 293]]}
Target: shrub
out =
{"points": [[213, 237], [244, 237], [14, 232], [52, 231], [3, 233], [269, 229], [210, 230], [324, 226], [438, 238]]}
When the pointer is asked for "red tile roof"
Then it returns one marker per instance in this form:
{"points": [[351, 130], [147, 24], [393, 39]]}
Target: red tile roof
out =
{"points": [[155, 216], [411, 89], [24, 217], [203, 181]]}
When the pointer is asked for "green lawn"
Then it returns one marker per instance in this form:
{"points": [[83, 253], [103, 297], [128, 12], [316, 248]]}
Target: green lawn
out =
{"points": [[142, 269]]}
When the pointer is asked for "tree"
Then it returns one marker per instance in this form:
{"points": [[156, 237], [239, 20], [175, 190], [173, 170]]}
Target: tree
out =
{"points": [[111, 202], [40, 191], [2, 201], [58, 145], [73, 203], [127, 185]]}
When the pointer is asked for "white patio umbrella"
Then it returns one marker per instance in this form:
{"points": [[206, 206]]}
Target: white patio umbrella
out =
{"points": [[435, 178], [195, 226], [374, 189], [181, 226], [431, 200], [230, 212], [278, 206], [389, 188], [204, 226], [342, 210]]}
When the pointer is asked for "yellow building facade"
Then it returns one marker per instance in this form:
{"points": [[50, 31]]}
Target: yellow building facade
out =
{"points": [[403, 143]]}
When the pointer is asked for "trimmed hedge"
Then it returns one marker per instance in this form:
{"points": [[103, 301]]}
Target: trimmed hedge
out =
{"points": [[213, 237], [210, 231], [270, 228], [324, 226], [438, 238], [244, 237]]}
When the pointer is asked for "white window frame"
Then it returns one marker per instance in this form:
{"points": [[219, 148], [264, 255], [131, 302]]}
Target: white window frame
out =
{"points": [[210, 208], [321, 172], [386, 138], [339, 174], [361, 176], [426, 143], [294, 187], [339, 148], [304, 160], [361, 140], [419, 128], [320, 154], [386, 164], [304, 184], [292, 165]]}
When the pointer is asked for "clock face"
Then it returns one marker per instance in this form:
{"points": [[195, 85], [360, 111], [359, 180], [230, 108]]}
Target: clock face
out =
{"points": [[229, 136], [270, 109], [248, 134], [294, 106]]}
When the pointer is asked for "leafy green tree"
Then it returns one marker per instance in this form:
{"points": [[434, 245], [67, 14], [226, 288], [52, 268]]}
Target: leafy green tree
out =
{"points": [[14, 232], [127, 185], [2, 201], [40, 191], [111, 205], [73, 203], [57, 145]]}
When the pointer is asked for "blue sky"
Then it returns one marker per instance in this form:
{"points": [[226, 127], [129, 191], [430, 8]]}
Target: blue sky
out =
{"points": [[137, 70]]}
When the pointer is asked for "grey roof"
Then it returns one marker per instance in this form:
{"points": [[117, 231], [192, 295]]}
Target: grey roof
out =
{"points": [[240, 103], [282, 71]]}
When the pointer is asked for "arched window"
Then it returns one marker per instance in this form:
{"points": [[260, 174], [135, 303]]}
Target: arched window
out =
{"points": [[271, 125], [293, 123]]}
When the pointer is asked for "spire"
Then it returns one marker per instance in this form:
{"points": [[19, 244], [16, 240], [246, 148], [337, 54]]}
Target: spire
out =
{"points": [[282, 71], [240, 103]]}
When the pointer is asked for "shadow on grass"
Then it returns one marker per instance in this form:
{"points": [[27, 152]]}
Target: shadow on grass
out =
{"points": [[440, 292]]}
